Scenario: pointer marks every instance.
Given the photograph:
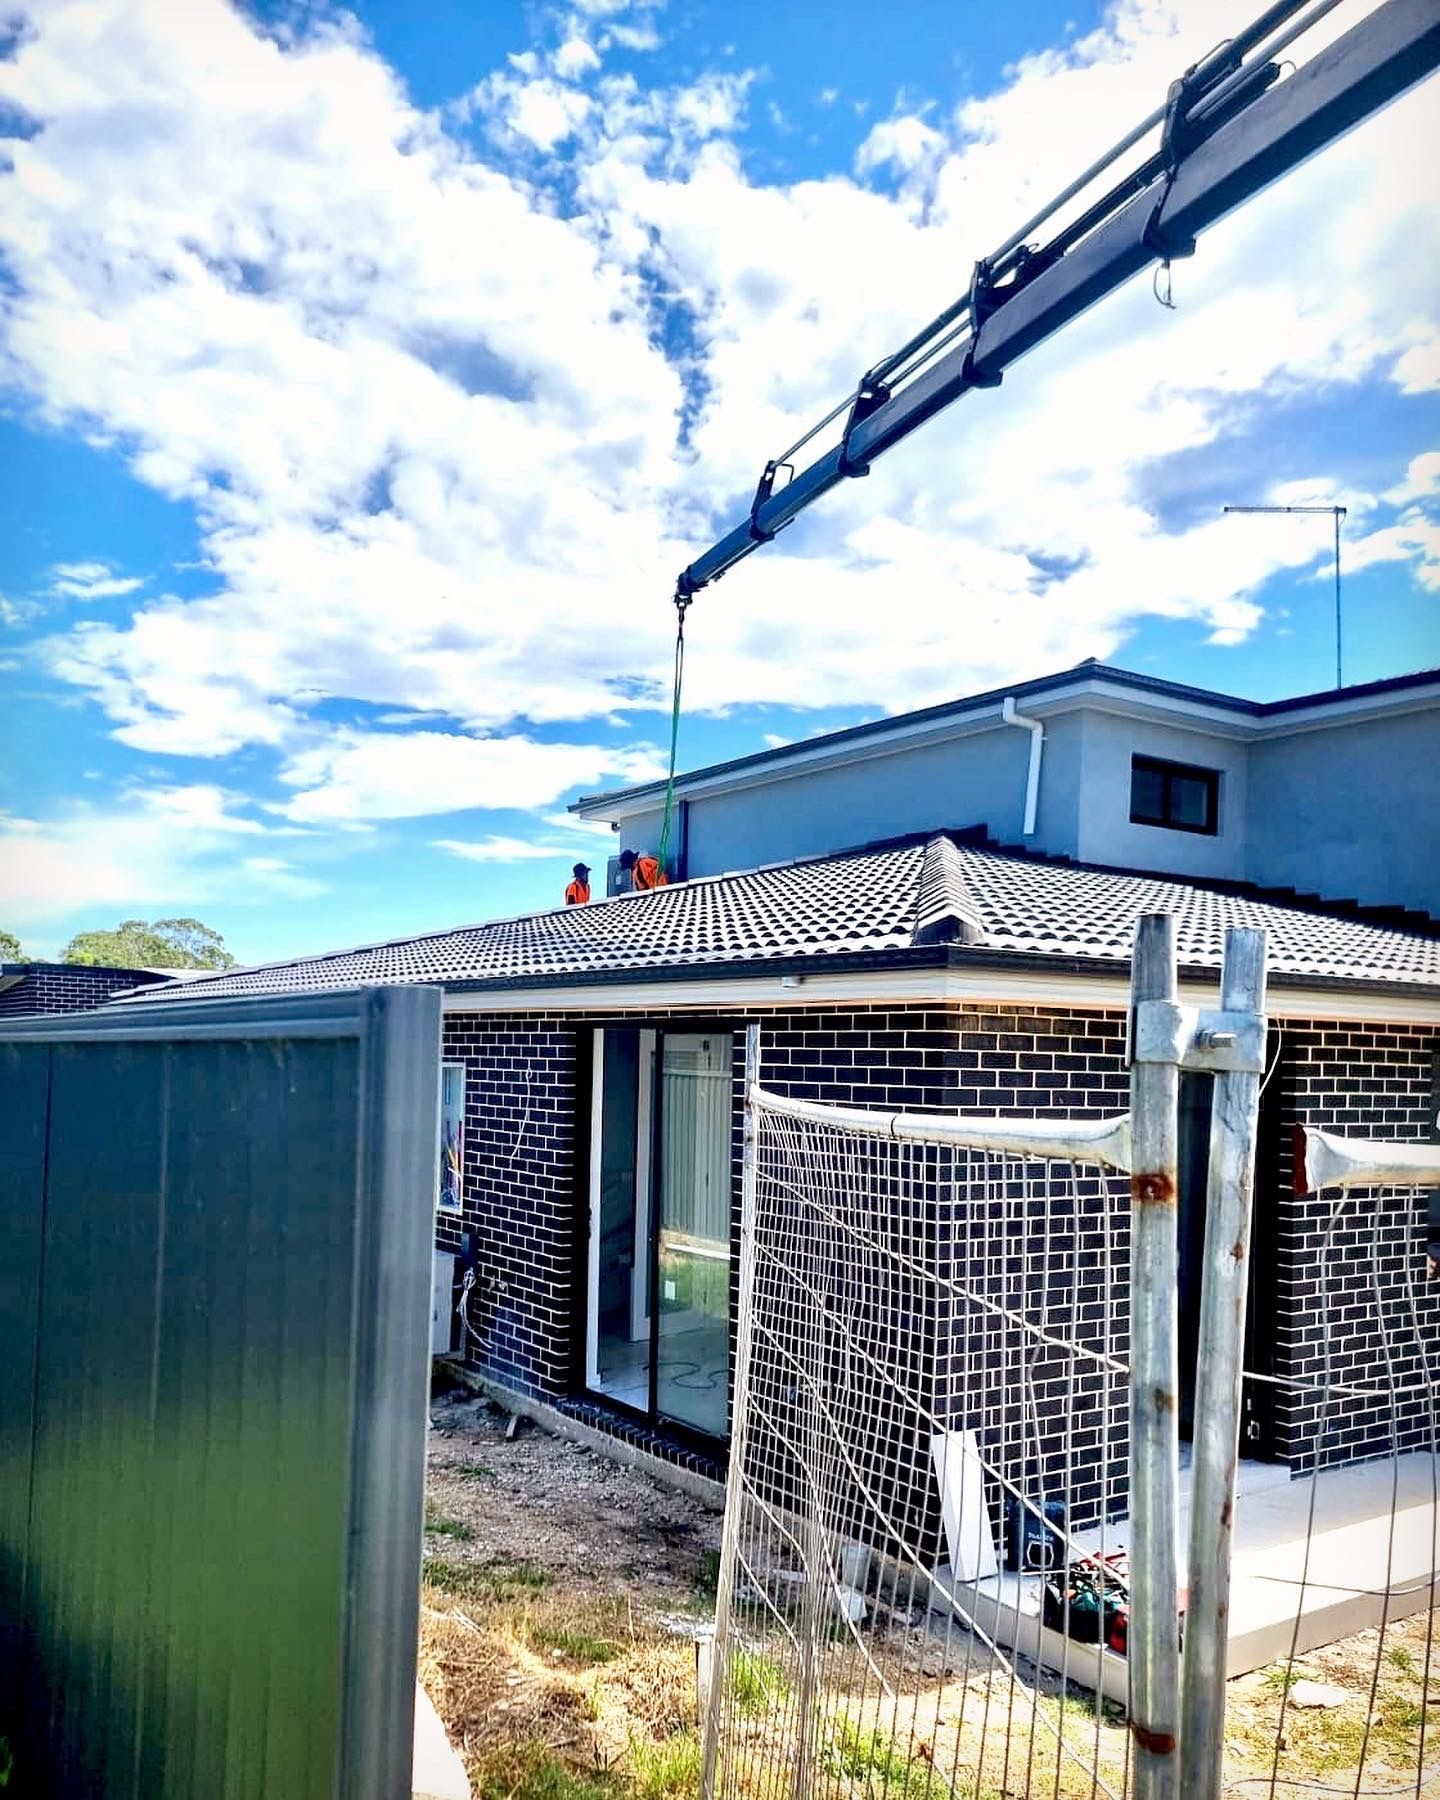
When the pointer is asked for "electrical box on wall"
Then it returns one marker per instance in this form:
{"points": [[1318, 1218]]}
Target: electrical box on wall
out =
{"points": [[442, 1303]]}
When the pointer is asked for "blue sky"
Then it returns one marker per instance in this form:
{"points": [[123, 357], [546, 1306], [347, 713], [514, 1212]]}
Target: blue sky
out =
{"points": [[366, 376]]}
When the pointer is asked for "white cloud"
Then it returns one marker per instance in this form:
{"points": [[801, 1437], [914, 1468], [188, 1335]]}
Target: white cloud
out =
{"points": [[905, 143], [634, 37], [1417, 371], [427, 414], [91, 581], [15, 613], [382, 775], [153, 850], [1422, 478], [574, 58], [200, 806], [501, 849], [567, 821], [1413, 540]]}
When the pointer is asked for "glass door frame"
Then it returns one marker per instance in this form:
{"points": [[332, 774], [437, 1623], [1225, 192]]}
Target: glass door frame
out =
{"points": [[642, 1277], [645, 1271], [691, 1028]]}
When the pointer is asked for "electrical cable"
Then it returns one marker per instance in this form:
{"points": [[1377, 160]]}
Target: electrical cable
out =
{"points": [[462, 1307], [524, 1122]]}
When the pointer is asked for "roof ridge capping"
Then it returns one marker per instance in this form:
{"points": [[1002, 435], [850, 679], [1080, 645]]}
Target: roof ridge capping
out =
{"points": [[945, 913]]}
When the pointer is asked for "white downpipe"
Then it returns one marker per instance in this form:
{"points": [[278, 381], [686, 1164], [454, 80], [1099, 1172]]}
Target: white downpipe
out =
{"points": [[1037, 746]]}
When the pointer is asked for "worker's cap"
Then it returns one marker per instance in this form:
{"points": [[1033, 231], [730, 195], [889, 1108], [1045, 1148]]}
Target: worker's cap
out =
{"points": [[581, 870], [627, 859]]}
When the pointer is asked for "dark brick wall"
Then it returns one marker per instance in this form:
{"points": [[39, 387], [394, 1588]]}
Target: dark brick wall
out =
{"points": [[524, 1198], [1351, 1280], [67, 987], [526, 1158], [525, 1117]]}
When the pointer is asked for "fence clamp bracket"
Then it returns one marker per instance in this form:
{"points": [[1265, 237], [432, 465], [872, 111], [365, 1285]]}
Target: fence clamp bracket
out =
{"points": [[1197, 1037]]}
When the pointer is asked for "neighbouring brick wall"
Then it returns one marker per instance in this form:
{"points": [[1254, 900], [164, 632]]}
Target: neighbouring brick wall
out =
{"points": [[1353, 1284], [68, 987]]}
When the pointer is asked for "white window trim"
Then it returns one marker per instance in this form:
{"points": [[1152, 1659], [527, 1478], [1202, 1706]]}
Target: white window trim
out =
{"points": [[441, 1206]]}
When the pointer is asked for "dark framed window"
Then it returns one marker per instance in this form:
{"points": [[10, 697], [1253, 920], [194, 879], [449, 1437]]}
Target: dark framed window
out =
{"points": [[1179, 796]]}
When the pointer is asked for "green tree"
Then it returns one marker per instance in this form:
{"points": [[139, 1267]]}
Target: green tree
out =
{"points": [[10, 950], [166, 944]]}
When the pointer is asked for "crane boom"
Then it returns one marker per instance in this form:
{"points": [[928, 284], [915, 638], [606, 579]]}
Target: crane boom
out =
{"points": [[1229, 129]]}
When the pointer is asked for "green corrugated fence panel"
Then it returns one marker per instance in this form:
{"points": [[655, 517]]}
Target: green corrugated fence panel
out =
{"points": [[214, 1339]]}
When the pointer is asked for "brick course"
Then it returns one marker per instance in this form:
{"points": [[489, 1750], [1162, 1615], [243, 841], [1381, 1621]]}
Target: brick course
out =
{"points": [[1359, 1295], [67, 987], [525, 1193], [527, 1106]]}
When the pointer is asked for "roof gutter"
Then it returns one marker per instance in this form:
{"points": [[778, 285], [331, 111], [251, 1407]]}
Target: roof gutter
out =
{"points": [[955, 959], [1037, 749]]}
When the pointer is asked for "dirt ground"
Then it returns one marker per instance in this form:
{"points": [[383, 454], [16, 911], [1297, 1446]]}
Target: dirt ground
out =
{"points": [[564, 1595]]}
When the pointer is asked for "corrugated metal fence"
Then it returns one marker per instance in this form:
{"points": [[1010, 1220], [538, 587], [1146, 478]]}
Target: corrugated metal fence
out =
{"points": [[214, 1295]]}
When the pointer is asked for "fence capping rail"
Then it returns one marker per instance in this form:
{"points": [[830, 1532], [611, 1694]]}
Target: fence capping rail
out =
{"points": [[1105, 1141], [1323, 1160]]}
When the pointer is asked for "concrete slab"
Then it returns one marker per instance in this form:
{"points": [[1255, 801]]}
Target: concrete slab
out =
{"points": [[1354, 1562], [438, 1773], [1358, 1568]]}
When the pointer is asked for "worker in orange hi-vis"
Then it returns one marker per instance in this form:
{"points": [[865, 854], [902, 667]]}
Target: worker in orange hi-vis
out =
{"points": [[578, 891], [644, 871]]}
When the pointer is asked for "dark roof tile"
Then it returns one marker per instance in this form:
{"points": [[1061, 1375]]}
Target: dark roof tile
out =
{"points": [[889, 899]]}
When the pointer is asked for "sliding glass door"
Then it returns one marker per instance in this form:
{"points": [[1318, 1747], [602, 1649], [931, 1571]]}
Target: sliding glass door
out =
{"points": [[693, 1253], [618, 1341], [661, 1177]]}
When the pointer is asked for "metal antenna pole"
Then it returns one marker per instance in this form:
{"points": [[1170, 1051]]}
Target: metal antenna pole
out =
{"points": [[1339, 678], [1154, 1648], [1338, 513], [1229, 1196]]}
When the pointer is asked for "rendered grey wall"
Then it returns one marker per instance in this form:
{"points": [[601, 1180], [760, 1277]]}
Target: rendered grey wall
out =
{"points": [[214, 1347], [1351, 814], [973, 780], [1109, 741]]}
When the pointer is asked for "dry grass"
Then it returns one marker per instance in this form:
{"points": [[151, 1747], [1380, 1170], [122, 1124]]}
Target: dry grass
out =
{"points": [[563, 1595], [1326, 1743], [540, 1691], [562, 1598]]}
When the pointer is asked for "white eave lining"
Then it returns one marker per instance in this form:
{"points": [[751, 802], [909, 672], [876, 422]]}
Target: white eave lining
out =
{"points": [[938, 987]]}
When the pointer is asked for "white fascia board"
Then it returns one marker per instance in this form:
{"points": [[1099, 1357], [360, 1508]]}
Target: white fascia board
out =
{"points": [[1099, 695], [1358, 711], [931, 987]]}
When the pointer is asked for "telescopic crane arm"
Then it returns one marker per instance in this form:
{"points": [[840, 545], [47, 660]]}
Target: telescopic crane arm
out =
{"points": [[1228, 128]]}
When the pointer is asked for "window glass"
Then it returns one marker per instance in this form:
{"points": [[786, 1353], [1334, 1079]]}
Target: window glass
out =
{"points": [[452, 1135], [1190, 801], [659, 1251], [1147, 793], [694, 1250], [1177, 795]]}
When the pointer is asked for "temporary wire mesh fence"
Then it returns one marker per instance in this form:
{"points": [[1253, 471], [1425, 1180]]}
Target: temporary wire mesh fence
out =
{"points": [[929, 1467], [931, 1344], [1360, 1396]]}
